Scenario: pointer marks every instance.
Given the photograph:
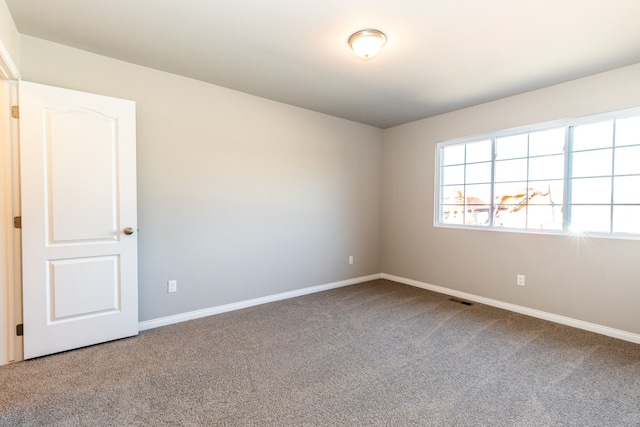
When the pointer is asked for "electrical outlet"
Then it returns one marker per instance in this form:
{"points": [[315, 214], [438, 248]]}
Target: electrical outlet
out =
{"points": [[350, 259], [172, 286], [520, 279]]}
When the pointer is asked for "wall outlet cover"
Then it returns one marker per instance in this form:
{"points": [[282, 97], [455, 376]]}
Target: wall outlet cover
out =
{"points": [[172, 286]]}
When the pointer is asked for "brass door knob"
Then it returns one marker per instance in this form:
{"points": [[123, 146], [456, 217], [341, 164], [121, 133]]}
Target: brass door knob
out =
{"points": [[128, 230]]}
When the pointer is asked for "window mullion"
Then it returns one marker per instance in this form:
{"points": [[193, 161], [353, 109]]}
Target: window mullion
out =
{"points": [[493, 182], [568, 163], [464, 187], [528, 187], [613, 168]]}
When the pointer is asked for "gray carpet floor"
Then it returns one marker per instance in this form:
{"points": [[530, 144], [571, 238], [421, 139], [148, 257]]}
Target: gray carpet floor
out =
{"points": [[377, 353]]}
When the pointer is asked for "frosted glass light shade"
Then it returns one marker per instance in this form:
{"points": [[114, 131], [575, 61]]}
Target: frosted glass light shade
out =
{"points": [[367, 43]]}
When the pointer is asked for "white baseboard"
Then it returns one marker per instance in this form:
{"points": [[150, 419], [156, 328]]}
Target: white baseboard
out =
{"points": [[592, 327], [183, 317], [563, 320]]}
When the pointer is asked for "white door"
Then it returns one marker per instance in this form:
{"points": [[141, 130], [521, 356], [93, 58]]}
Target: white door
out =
{"points": [[78, 194]]}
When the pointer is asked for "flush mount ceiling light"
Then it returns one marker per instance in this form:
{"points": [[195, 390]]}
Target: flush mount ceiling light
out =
{"points": [[367, 43]]}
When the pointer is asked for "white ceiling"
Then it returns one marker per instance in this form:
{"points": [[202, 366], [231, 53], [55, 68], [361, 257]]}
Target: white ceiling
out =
{"points": [[441, 55]]}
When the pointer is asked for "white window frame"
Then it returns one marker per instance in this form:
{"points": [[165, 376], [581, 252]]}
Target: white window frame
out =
{"points": [[567, 124]]}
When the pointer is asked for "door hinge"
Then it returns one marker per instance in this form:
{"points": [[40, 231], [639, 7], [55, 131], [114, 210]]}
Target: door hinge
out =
{"points": [[15, 111], [17, 222], [19, 330]]}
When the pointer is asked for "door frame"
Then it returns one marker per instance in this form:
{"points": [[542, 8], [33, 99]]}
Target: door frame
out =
{"points": [[10, 245]]}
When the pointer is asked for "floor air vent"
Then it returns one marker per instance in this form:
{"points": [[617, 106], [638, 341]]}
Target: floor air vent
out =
{"points": [[459, 301]]}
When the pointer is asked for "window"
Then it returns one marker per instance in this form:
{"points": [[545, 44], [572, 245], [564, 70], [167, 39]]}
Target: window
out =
{"points": [[580, 176]]}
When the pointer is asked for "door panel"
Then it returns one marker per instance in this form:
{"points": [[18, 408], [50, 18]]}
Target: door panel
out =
{"points": [[77, 159], [66, 134], [67, 280]]}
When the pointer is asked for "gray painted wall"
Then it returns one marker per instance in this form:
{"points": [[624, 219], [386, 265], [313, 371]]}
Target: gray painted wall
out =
{"points": [[595, 280], [239, 197]]}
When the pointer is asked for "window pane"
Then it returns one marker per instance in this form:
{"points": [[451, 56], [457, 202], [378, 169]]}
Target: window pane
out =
{"points": [[478, 194], [547, 167], [453, 155], [478, 199], [452, 175], [626, 219], [512, 147], [479, 151], [544, 217], [452, 194], [511, 170], [544, 210], [627, 160], [591, 163], [510, 199], [626, 189], [452, 206], [546, 142], [591, 218], [596, 135], [478, 173], [591, 190], [452, 214], [628, 131], [546, 192], [511, 218], [511, 193]]}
